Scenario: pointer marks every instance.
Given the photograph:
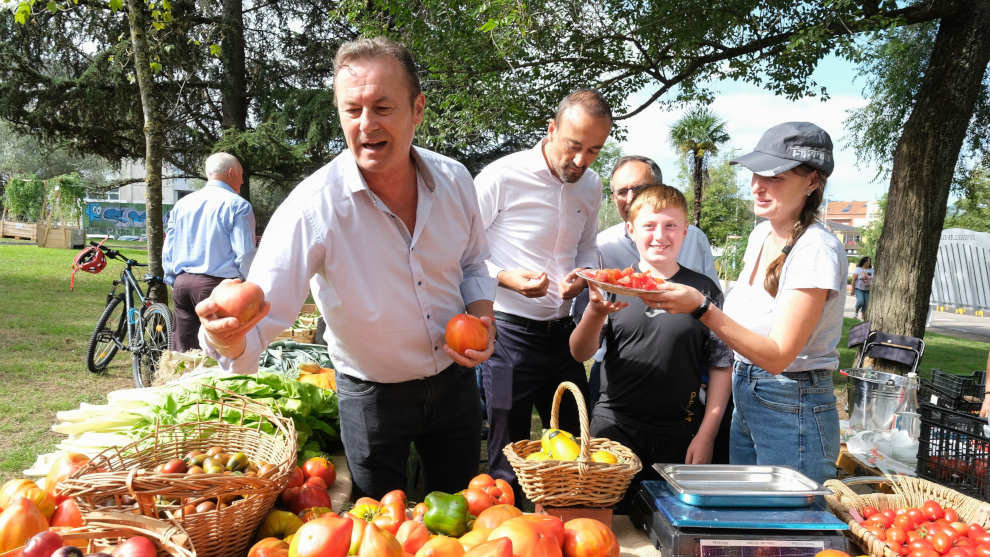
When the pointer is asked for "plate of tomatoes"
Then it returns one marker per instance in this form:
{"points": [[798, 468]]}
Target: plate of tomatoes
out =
{"points": [[628, 281]]}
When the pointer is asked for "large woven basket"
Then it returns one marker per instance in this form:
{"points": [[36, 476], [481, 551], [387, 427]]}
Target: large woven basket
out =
{"points": [[103, 531], [908, 492], [580, 483], [122, 478]]}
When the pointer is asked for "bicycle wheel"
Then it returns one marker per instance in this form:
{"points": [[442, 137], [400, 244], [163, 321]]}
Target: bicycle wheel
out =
{"points": [[108, 337], [156, 328]]}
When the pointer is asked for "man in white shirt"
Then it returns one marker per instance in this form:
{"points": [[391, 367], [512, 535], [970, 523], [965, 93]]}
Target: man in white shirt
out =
{"points": [[388, 239], [540, 211]]}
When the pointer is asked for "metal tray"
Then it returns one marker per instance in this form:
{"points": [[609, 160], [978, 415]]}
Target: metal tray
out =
{"points": [[729, 485]]}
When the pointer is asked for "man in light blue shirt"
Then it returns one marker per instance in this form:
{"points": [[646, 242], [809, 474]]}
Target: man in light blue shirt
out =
{"points": [[209, 237]]}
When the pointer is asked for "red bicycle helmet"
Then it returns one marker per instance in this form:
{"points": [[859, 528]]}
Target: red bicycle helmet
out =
{"points": [[90, 260]]}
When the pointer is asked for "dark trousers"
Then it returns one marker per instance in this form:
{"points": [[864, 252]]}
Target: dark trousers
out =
{"points": [[189, 289], [524, 371], [378, 422], [654, 443]]}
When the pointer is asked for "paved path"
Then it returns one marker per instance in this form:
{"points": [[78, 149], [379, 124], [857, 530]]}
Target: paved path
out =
{"points": [[951, 324]]}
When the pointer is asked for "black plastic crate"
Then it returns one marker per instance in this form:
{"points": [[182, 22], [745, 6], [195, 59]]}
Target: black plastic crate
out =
{"points": [[954, 450], [929, 393], [959, 385]]}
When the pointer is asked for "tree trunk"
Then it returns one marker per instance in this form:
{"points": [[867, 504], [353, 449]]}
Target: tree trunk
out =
{"points": [[924, 161], [233, 88], [698, 187], [153, 141]]}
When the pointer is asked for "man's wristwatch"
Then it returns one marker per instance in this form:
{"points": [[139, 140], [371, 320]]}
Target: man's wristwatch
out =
{"points": [[702, 309]]}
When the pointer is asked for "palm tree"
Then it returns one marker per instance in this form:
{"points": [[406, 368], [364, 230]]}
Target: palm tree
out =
{"points": [[697, 135]]}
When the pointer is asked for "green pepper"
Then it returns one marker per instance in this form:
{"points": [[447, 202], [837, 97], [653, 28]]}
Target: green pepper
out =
{"points": [[447, 514]]}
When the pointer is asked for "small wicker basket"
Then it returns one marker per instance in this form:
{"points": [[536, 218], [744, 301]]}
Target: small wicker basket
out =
{"points": [[105, 530], [580, 483], [908, 492], [122, 478]]}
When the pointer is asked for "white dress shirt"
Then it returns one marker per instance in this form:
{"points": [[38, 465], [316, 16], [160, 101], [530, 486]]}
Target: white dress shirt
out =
{"points": [[537, 222], [386, 294]]}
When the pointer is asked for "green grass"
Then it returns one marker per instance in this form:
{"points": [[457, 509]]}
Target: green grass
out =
{"points": [[44, 329]]}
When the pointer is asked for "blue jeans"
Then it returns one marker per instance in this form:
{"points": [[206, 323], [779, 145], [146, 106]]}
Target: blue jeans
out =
{"points": [[788, 419], [862, 296]]}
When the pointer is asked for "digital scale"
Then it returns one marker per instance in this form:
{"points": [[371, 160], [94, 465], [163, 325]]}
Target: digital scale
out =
{"points": [[678, 529]]}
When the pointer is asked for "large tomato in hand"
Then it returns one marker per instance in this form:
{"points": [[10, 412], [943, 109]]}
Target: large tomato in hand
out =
{"points": [[324, 536], [587, 537], [238, 299], [466, 331], [136, 546]]}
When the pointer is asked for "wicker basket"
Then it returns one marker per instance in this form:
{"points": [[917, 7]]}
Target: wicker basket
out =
{"points": [[580, 483], [105, 530], [121, 478], [908, 492]]}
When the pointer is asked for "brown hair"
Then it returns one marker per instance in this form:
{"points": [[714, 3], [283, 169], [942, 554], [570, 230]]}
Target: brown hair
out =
{"points": [[379, 47], [808, 213], [590, 100], [657, 198]]}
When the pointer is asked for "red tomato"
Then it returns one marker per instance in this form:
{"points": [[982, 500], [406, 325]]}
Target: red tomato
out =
{"points": [[67, 514], [136, 546], [322, 536], [478, 500], [412, 535], [941, 541], [42, 544], [924, 553], [296, 478], [883, 520], [586, 537], [983, 550], [920, 545], [238, 299], [916, 515], [951, 515], [868, 511], [269, 547], [896, 535], [896, 548], [466, 331], [960, 551], [889, 513], [501, 547], [932, 510], [974, 527], [876, 530], [904, 522], [319, 467]]}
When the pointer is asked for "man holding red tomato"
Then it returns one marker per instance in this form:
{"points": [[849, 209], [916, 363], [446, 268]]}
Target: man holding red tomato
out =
{"points": [[388, 239], [540, 212]]}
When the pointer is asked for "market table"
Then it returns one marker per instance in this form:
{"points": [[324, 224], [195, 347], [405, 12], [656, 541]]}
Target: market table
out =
{"points": [[633, 542]]}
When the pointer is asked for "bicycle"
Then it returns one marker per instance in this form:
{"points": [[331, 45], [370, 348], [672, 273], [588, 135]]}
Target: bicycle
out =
{"points": [[130, 322]]}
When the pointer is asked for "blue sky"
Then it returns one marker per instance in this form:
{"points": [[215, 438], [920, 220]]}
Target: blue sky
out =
{"points": [[749, 111]]}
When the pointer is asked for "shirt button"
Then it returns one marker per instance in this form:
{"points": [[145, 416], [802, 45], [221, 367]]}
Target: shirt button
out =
{"points": [[436, 348], [427, 315], [419, 283]]}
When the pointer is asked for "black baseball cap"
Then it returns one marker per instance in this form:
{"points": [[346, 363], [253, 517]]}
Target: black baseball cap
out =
{"points": [[788, 145]]}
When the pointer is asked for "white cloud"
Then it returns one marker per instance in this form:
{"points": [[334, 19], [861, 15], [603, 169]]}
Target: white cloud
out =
{"points": [[748, 114]]}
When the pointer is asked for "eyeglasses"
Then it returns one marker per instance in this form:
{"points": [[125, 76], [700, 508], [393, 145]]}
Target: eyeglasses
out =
{"points": [[634, 189]]}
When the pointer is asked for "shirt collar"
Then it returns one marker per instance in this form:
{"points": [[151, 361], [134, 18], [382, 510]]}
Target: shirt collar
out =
{"points": [[355, 182], [220, 184], [536, 162]]}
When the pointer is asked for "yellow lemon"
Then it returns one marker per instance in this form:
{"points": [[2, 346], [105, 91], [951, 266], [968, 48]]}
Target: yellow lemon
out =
{"points": [[604, 456], [538, 455]]}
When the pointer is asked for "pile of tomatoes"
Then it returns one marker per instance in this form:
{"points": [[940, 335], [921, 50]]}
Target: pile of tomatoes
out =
{"points": [[926, 531], [628, 277]]}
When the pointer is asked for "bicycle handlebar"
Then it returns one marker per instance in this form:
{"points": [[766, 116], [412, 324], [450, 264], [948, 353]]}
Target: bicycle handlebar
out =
{"points": [[114, 254]]}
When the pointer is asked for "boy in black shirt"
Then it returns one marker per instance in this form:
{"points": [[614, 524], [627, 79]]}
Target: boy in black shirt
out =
{"points": [[654, 360]]}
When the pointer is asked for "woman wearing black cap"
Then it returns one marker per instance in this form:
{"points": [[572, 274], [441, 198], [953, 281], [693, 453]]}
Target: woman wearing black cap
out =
{"points": [[783, 318]]}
